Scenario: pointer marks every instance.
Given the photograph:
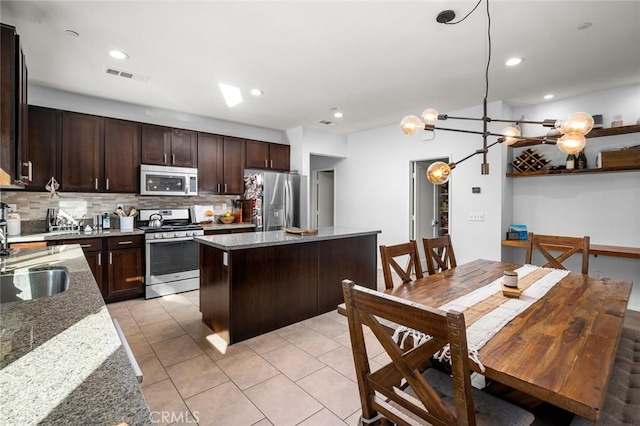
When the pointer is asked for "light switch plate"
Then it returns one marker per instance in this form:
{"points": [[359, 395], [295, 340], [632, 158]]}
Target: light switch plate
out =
{"points": [[476, 217]]}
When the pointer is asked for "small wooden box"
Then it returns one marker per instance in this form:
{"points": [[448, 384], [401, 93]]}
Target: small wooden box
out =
{"points": [[511, 292], [622, 159]]}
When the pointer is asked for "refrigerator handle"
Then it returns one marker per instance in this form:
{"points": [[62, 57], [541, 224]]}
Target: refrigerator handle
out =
{"points": [[287, 203]]}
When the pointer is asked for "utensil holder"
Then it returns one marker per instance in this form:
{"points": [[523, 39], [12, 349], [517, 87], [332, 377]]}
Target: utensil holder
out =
{"points": [[126, 223]]}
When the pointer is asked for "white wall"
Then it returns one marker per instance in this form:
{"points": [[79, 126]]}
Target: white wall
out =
{"points": [[605, 206], [374, 189], [90, 105]]}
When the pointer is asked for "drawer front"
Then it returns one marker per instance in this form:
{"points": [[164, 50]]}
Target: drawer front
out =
{"points": [[87, 244], [115, 243]]}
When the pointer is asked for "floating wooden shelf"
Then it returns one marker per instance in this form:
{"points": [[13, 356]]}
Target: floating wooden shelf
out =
{"points": [[596, 133], [611, 131], [571, 172]]}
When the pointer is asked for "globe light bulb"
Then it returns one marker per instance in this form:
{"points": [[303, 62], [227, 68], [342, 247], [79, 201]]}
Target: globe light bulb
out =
{"points": [[572, 143], [578, 122], [438, 173], [510, 135], [429, 116], [411, 124]]}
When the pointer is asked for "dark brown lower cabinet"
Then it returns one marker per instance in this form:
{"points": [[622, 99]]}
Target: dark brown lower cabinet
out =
{"points": [[125, 276]]}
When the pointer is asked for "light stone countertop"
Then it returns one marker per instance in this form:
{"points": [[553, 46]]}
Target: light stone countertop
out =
{"points": [[71, 235], [61, 360], [248, 240]]}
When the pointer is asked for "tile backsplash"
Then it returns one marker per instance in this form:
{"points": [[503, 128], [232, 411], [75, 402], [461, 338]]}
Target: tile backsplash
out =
{"points": [[34, 205]]}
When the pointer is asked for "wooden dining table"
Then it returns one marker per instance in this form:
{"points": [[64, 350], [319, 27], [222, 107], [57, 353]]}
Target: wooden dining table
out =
{"points": [[560, 350]]}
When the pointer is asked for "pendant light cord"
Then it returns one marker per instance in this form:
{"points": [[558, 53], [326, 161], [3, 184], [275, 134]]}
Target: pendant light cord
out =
{"points": [[466, 16], [486, 74]]}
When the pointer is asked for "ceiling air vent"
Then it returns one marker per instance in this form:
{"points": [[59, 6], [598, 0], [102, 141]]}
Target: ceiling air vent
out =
{"points": [[325, 122], [128, 75]]}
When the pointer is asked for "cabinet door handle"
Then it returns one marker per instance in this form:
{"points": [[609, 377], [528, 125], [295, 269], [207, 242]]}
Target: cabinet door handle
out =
{"points": [[99, 259], [107, 184], [173, 159], [270, 166], [96, 184], [218, 187], [164, 158], [29, 165], [110, 258], [124, 243], [85, 245], [266, 164], [225, 188]]}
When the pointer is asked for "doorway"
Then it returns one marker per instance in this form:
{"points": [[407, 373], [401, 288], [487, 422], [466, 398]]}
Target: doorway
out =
{"points": [[324, 200], [430, 207]]}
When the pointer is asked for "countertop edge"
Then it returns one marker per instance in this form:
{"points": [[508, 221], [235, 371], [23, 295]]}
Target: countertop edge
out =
{"points": [[243, 242]]}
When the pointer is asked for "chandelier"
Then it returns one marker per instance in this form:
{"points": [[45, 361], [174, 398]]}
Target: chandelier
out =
{"points": [[568, 134]]}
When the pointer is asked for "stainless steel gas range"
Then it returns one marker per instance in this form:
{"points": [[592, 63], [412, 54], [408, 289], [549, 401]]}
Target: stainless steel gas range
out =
{"points": [[172, 256]]}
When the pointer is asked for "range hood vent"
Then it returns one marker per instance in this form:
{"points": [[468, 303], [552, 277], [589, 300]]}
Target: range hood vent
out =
{"points": [[128, 75]]}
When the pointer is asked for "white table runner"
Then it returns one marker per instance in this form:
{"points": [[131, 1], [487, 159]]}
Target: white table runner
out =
{"points": [[480, 331]]}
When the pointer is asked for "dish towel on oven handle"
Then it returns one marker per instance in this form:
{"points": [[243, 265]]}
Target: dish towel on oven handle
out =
{"points": [[488, 325]]}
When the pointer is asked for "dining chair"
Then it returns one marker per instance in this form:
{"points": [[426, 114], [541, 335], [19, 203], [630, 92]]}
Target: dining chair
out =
{"points": [[439, 253], [431, 396], [568, 246], [388, 257], [622, 400]]}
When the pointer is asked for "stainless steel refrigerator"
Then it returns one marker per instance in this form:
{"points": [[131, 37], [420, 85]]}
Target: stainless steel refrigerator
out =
{"points": [[277, 199]]}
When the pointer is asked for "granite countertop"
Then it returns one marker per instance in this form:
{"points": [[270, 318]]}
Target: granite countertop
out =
{"points": [[71, 235], [249, 240], [223, 227], [61, 360]]}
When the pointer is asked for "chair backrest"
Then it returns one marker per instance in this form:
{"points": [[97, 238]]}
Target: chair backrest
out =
{"points": [[439, 254], [388, 255], [567, 246], [381, 391]]}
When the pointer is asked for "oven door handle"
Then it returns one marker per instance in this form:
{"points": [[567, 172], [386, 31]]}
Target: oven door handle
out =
{"points": [[169, 240]]}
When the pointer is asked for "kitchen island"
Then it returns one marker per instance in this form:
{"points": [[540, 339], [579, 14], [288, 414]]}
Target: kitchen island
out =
{"points": [[255, 282], [61, 359]]}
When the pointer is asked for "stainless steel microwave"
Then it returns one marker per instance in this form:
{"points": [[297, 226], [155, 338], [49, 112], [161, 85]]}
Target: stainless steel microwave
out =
{"points": [[166, 180]]}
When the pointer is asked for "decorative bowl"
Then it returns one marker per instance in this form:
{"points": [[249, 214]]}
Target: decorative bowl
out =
{"points": [[226, 219]]}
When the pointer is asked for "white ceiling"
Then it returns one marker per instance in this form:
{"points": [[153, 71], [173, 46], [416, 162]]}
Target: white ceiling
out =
{"points": [[375, 60]]}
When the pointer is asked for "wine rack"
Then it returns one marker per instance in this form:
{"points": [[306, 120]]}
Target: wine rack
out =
{"points": [[529, 161]]}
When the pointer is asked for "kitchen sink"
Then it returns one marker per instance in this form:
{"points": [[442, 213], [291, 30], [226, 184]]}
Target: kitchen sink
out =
{"points": [[33, 284]]}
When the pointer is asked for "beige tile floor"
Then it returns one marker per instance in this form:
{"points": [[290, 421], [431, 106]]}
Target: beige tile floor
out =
{"points": [[302, 374]]}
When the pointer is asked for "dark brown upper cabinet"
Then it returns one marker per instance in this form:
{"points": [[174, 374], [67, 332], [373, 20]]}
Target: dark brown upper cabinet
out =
{"points": [[121, 155], [41, 152], [169, 147], [267, 156], [220, 165], [81, 144], [13, 107], [99, 154]]}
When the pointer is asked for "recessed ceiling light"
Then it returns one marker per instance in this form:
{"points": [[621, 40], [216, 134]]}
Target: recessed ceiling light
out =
{"points": [[256, 92], [549, 96], [338, 114], [584, 25], [513, 61], [118, 54], [71, 33], [232, 95]]}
